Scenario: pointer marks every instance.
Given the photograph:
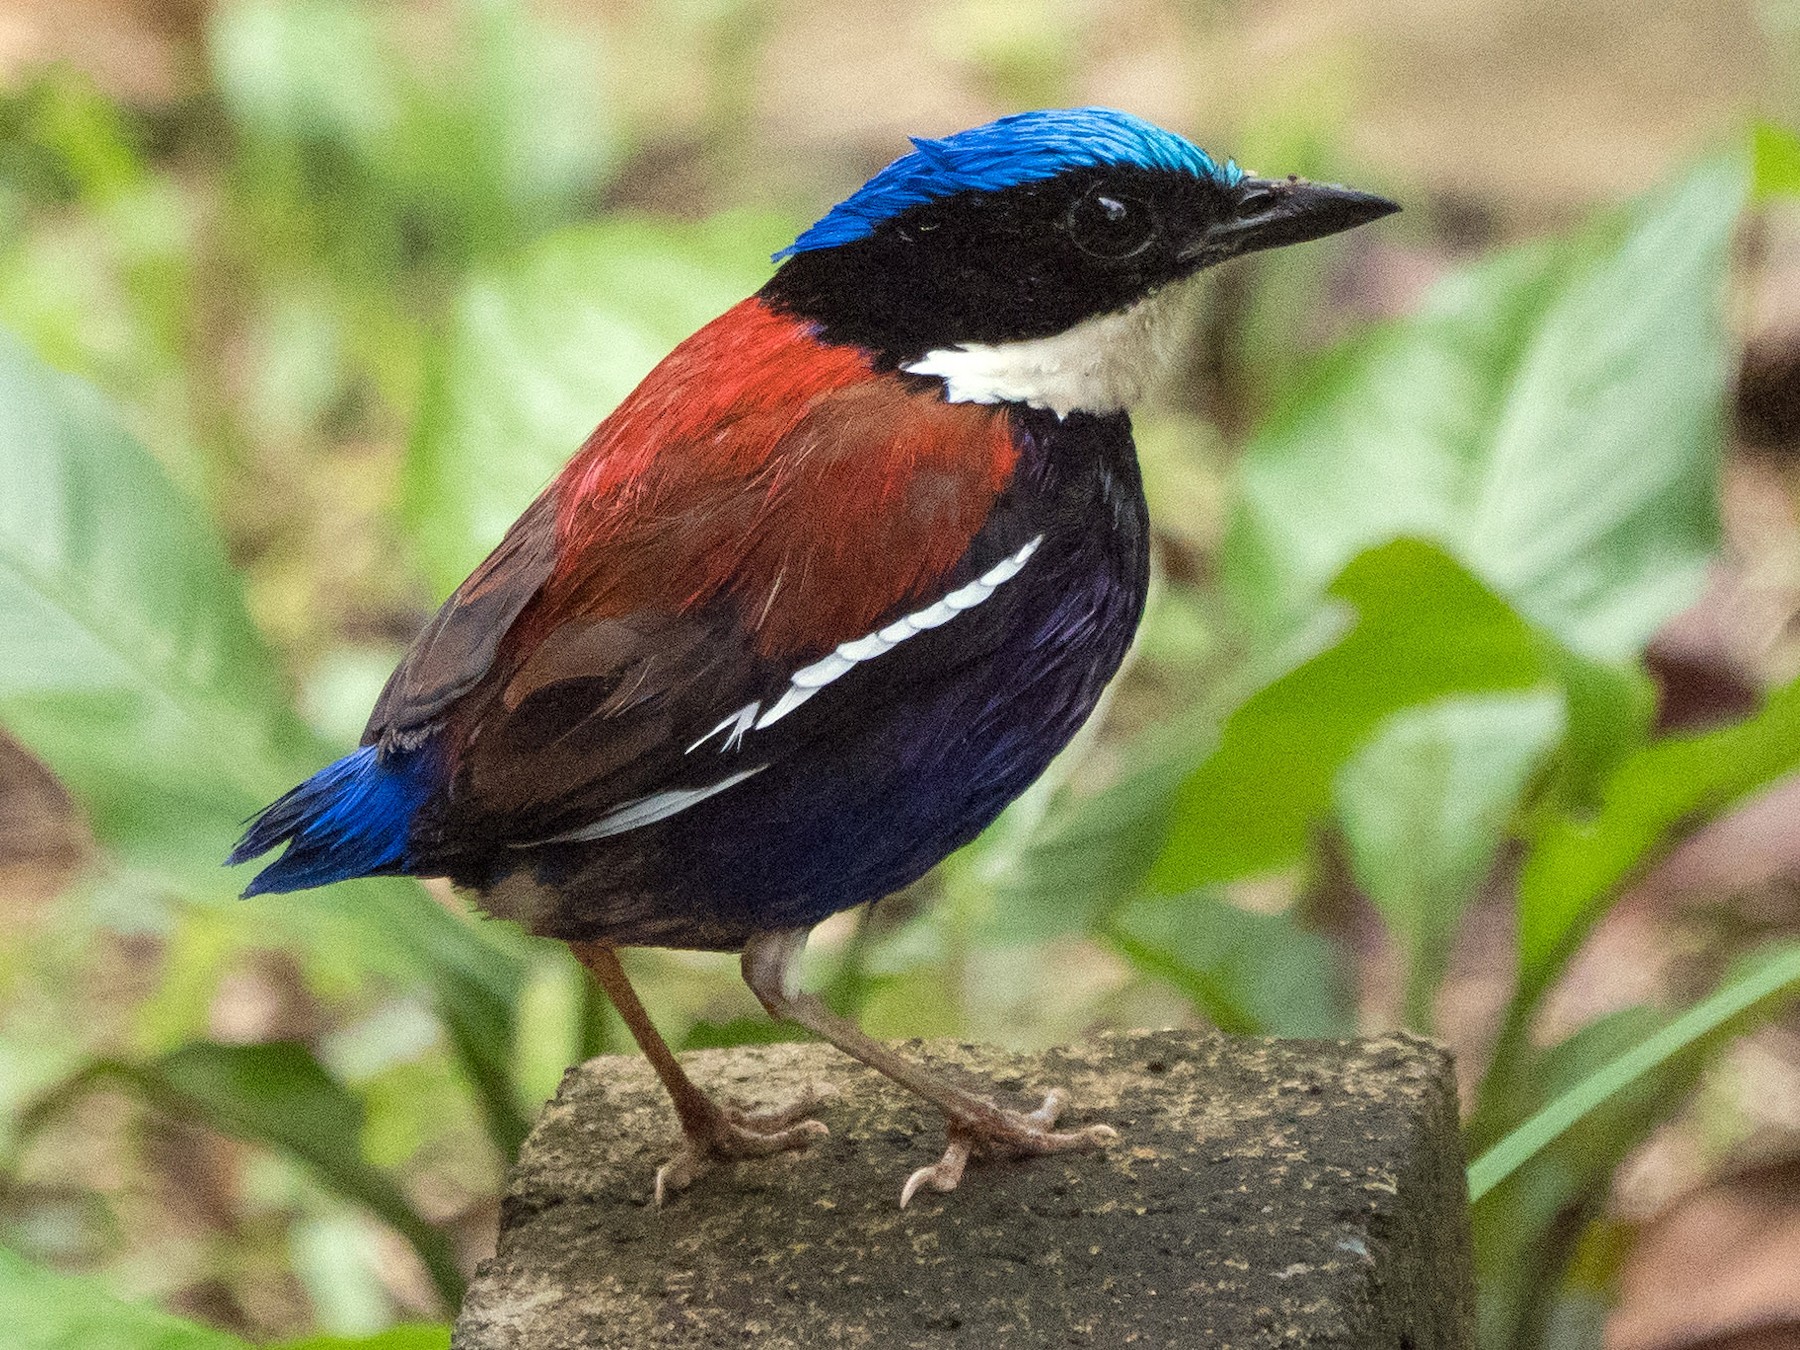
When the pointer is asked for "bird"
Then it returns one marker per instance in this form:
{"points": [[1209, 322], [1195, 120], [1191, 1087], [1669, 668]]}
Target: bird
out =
{"points": [[826, 591]]}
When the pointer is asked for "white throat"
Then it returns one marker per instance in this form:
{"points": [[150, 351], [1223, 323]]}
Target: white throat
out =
{"points": [[1101, 365]]}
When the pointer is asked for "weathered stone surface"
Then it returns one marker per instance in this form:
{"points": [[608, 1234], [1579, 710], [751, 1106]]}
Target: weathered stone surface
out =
{"points": [[1262, 1193]]}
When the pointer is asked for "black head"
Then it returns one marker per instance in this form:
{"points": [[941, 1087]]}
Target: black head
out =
{"points": [[1025, 227]]}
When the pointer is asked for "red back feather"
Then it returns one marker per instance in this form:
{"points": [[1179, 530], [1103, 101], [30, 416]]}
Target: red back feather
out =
{"points": [[757, 461]]}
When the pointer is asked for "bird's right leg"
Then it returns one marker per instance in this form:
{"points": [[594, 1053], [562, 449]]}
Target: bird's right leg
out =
{"points": [[711, 1133], [976, 1126]]}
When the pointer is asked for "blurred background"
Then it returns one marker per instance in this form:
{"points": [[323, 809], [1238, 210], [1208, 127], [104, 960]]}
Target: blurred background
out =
{"points": [[1465, 702]]}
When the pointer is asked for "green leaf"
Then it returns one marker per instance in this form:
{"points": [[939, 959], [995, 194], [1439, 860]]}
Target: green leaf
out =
{"points": [[132, 668], [1775, 161], [1065, 873], [475, 984], [42, 1310], [135, 673], [307, 71], [1611, 711], [1756, 989], [278, 1095], [412, 1337], [1528, 1228], [1060, 861], [494, 135], [1249, 973], [1425, 629], [518, 132], [708, 1035], [1552, 418], [1425, 805], [542, 347], [1579, 863]]}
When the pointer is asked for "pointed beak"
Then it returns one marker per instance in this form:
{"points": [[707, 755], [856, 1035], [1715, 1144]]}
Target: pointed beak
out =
{"points": [[1271, 212]]}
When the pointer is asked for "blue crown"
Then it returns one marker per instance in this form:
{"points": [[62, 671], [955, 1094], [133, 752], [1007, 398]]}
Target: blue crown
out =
{"points": [[1022, 148]]}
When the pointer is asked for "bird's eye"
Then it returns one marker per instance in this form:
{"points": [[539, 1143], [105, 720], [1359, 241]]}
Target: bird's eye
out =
{"points": [[1111, 225]]}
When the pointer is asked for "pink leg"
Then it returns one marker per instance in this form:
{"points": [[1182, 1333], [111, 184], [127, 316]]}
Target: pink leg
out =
{"points": [[975, 1125], [711, 1134]]}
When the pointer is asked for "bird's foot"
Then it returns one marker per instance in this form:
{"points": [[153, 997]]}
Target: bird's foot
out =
{"points": [[1004, 1134], [729, 1134]]}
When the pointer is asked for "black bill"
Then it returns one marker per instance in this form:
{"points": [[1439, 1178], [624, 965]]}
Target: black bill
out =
{"points": [[1271, 212]]}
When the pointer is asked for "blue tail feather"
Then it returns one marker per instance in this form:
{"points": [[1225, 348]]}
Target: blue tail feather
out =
{"points": [[350, 819]]}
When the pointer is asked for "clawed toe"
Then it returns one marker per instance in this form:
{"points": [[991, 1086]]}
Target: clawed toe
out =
{"points": [[1024, 1135], [1004, 1134], [772, 1122], [942, 1175], [734, 1135]]}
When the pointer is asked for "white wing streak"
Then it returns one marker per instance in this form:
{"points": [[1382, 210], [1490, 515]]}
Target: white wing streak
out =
{"points": [[802, 685], [808, 680], [647, 810]]}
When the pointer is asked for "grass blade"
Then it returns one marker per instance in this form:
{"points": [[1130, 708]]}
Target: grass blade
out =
{"points": [[1768, 978]]}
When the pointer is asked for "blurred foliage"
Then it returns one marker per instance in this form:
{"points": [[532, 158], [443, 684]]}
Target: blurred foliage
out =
{"points": [[393, 155], [287, 357], [1458, 426], [45, 1311], [57, 1312], [534, 345], [1776, 159], [277, 1094]]}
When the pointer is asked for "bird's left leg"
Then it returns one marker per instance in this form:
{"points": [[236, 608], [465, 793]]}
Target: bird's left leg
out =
{"points": [[975, 1125], [711, 1133]]}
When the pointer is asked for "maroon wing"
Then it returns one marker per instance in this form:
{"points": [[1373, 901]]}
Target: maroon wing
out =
{"points": [[712, 538]]}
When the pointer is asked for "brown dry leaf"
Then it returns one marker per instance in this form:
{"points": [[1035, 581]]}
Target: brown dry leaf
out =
{"points": [[1720, 1268]]}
